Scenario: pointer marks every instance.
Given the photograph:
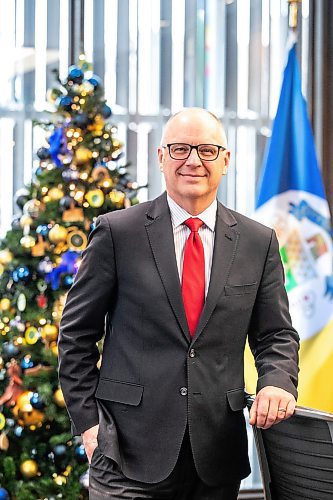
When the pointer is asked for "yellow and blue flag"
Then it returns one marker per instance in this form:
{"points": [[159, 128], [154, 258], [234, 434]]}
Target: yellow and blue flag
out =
{"points": [[291, 199]]}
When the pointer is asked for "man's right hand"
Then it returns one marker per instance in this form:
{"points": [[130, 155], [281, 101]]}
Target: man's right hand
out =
{"points": [[89, 438]]}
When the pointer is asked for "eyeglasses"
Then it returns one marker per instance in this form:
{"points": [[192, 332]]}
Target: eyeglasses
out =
{"points": [[181, 151]]}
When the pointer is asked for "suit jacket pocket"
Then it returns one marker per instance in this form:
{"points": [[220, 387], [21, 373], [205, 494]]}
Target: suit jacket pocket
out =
{"points": [[236, 399], [119, 392], [240, 289]]}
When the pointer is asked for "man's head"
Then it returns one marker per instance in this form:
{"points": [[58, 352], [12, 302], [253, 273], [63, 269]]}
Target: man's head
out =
{"points": [[193, 181]]}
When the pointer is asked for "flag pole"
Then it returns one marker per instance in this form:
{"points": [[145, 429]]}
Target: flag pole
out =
{"points": [[293, 14]]}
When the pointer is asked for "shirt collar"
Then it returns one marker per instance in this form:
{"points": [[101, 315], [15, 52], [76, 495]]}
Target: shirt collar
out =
{"points": [[179, 215]]}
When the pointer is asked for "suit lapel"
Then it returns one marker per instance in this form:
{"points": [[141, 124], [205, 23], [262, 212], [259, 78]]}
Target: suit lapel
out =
{"points": [[160, 235], [225, 246]]}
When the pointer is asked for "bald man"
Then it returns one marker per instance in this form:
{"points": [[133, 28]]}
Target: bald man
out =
{"points": [[176, 285]]}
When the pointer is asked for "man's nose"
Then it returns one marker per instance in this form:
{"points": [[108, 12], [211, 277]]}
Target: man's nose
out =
{"points": [[193, 159]]}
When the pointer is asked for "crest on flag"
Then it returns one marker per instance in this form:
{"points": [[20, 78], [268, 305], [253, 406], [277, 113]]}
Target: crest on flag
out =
{"points": [[301, 222]]}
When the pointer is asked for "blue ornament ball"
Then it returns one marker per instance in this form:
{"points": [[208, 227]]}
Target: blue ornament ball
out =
{"points": [[42, 229], [106, 111], [39, 171], [10, 349], [68, 280], [21, 274], [36, 401], [75, 74], [27, 362], [4, 495], [43, 153], [60, 450], [95, 81], [64, 102], [18, 431], [80, 453]]}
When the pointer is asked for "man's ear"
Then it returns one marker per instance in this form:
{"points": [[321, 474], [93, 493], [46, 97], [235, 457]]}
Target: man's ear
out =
{"points": [[226, 162], [160, 157]]}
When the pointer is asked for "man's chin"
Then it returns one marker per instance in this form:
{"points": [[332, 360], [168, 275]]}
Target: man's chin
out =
{"points": [[194, 191]]}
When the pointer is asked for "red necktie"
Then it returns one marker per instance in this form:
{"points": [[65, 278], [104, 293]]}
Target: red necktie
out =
{"points": [[193, 279]]}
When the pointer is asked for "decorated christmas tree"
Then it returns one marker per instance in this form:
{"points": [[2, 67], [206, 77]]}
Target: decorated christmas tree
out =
{"points": [[78, 177]]}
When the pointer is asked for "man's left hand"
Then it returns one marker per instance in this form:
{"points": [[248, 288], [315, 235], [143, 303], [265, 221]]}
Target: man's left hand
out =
{"points": [[271, 406]]}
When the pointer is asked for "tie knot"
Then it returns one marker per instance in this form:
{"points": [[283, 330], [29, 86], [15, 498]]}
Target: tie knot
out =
{"points": [[194, 224]]}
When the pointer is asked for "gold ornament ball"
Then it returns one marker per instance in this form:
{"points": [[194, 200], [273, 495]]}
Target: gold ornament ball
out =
{"points": [[60, 480], [31, 335], [29, 468], [77, 240], [117, 197], [59, 398], [25, 413], [1, 269], [82, 155], [28, 241], [50, 332], [57, 234], [23, 402], [54, 349], [33, 418], [95, 198], [4, 304], [25, 220], [6, 256], [55, 194]]}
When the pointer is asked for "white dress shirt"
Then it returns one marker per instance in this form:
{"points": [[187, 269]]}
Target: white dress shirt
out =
{"points": [[181, 232]]}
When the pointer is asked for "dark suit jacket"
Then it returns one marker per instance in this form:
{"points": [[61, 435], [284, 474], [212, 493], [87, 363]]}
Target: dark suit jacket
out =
{"points": [[154, 379]]}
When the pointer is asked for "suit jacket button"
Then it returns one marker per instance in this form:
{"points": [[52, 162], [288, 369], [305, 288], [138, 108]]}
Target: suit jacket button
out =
{"points": [[183, 391], [192, 353]]}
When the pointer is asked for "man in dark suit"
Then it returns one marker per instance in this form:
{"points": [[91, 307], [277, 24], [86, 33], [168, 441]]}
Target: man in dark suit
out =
{"points": [[176, 284]]}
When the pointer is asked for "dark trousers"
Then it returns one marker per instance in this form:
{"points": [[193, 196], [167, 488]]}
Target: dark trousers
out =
{"points": [[107, 481]]}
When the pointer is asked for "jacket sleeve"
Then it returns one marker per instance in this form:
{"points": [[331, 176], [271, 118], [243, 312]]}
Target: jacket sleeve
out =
{"points": [[273, 340], [83, 324]]}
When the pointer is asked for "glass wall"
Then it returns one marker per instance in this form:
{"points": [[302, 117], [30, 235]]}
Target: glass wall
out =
{"points": [[155, 57]]}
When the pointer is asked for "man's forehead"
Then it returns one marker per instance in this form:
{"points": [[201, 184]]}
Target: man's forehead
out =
{"points": [[190, 115], [186, 126]]}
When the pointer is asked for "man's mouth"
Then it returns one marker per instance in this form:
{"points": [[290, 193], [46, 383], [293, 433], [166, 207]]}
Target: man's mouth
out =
{"points": [[191, 175]]}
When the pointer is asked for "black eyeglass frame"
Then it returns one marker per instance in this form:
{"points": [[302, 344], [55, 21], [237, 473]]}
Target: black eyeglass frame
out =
{"points": [[193, 147]]}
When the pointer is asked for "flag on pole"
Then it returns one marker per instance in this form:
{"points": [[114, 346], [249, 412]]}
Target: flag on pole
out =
{"points": [[291, 199]]}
